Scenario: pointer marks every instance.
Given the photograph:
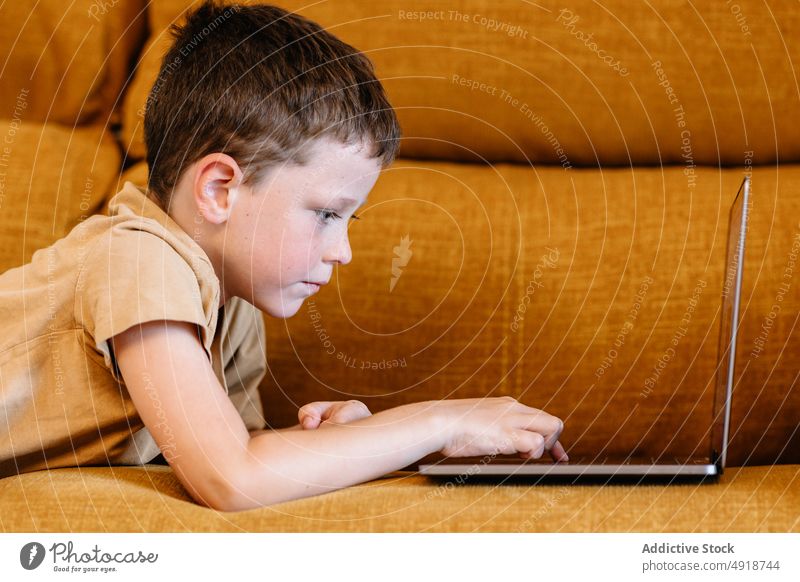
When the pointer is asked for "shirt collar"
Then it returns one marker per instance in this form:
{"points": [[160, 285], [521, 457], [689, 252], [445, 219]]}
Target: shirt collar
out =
{"points": [[141, 203], [132, 201]]}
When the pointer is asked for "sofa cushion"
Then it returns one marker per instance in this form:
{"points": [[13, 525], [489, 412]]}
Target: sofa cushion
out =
{"points": [[68, 62], [51, 178], [584, 84], [151, 499], [594, 295]]}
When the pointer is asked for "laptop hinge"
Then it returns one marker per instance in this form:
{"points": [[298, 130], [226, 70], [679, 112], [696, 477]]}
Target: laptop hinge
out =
{"points": [[716, 459]]}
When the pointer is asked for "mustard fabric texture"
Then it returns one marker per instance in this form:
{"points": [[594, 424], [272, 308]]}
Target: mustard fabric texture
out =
{"points": [[51, 178], [519, 282], [585, 84], [63, 401], [151, 499], [68, 61]]}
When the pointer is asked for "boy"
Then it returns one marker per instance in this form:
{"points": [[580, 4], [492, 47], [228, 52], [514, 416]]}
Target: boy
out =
{"points": [[261, 143]]}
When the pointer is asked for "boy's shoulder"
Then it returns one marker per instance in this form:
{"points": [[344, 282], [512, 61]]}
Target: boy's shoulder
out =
{"points": [[136, 229], [131, 209], [141, 265], [111, 272], [135, 224]]}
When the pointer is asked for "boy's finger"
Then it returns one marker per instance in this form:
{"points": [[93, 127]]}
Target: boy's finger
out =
{"points": [[558, 453], [345, 412], [339, 411], [313, 410], [547, 425]]}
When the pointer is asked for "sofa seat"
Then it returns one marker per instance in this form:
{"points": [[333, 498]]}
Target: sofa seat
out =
{"points": [[151, 499]]}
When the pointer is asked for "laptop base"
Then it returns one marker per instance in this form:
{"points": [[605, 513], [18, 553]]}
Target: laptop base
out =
{"points": [[592, 480], [581, 470]]}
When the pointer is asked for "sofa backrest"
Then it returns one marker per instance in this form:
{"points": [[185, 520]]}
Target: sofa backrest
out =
{"points": [[63, 69], [593, 295], [67, 62], [581, 83]]}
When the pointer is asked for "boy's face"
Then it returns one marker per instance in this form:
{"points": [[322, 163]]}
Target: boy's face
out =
{"points": [[291, 229]]}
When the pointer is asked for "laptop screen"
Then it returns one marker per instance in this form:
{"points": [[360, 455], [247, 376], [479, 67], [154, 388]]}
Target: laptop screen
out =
{"points": [[729, 324]]}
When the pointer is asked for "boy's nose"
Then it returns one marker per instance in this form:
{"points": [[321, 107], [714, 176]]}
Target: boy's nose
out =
{"points": [[341, 251]]}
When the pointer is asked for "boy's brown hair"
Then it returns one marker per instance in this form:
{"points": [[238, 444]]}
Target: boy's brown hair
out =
{"points": [[258, 83]]}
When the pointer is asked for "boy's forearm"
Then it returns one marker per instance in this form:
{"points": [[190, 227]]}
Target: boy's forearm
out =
{"points": [[292, 464], [254, 433]]}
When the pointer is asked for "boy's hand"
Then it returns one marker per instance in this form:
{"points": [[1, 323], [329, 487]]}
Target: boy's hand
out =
{"points": [[484, 426], [315, 414]]}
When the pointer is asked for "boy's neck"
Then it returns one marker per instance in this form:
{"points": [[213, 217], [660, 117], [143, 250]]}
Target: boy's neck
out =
{"points": [[184, 212]]}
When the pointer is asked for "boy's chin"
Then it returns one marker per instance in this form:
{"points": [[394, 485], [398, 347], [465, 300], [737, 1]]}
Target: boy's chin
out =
{"points": [[284, 309]]}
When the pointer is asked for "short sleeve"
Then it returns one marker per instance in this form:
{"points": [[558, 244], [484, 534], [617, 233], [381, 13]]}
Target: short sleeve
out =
{"points": [[131, 277]]}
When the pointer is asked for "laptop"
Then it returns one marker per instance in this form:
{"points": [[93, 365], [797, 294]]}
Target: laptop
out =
{"points": [[705, 466]]}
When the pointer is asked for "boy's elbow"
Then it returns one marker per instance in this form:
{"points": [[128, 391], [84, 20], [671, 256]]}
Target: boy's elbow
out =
{"points": [[227, 497], [235, 493], [212, 494], [224, 502], [235, 498], [233, 502], [220, 491], [248, 488]]}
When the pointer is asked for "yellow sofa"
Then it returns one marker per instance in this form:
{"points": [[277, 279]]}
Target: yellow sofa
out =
{"points": [[558, 215]]}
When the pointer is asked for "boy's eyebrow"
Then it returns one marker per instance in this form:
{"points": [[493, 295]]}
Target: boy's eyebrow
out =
{"points": [[344, 201], [348, 201]]}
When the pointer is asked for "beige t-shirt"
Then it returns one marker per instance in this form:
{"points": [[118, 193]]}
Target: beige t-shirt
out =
{"points": [[63, 402]]}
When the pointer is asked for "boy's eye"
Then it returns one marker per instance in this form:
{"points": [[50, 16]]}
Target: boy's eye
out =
{"points": [[326, 215]]}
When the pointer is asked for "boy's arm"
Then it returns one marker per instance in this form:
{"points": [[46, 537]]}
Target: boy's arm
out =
{"points": [[254, 433], [205, 441], [181, 402], [323, 414], [292, 464]]}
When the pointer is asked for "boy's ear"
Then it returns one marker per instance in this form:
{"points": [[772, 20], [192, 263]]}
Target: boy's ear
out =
{"points": [[218, 181]]}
